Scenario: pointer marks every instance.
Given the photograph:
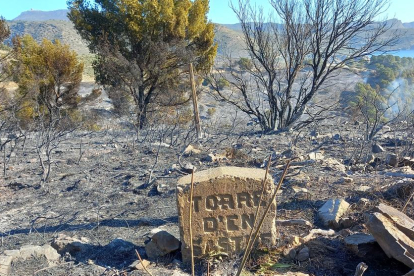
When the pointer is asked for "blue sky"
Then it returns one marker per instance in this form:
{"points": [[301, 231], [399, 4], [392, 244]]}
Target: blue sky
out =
{"points": [[219, 9]]}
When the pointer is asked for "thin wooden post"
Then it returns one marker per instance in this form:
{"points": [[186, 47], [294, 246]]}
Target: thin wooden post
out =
{"points": [[195, 103]]}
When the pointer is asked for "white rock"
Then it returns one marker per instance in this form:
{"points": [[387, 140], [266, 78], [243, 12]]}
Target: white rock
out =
{"points": [[331, 212]]}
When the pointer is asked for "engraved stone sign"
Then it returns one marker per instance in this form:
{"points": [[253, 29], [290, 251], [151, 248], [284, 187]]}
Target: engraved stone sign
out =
{"points": [[224, 206]]}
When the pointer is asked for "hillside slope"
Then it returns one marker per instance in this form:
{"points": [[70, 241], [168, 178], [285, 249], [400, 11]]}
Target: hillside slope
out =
{"points": [[50, 29]]}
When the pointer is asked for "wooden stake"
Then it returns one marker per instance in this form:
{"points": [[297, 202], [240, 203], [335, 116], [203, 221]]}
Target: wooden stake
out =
{"points": [[195, 103], [190, 222]]}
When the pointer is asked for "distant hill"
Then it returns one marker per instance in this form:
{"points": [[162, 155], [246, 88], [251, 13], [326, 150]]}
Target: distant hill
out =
{"points": [[35, 15], [55, 25], [409, 25]]}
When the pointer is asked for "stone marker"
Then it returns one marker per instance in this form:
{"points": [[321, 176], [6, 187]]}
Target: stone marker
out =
{"points": [[225, 201]]}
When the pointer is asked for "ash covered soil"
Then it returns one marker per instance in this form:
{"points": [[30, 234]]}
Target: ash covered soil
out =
{"points": [[112, 190]]}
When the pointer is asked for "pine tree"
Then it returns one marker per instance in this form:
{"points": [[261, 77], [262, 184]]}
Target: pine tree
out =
{"points": [[144, 47]]}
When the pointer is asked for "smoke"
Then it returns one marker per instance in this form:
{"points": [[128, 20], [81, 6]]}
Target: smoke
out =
{"points": [[399, 96]]}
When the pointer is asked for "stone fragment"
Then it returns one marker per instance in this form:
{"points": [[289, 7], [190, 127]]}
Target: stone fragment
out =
{"points": [[190, 150], [50, 253], [368, 159], [291, 253], [346, 180], [12, 253], [407, 161], [301, 193], [333, 165], [337, 136], [316, 155], [377, 148], [225, 201], [402, 189], [394, 232], [362, 188], [5, 262], [303, 254], [410, 273], [65, 244], [391, 159], [138, 265], [28, 251], [360, 244], [209, 158], [161, 244], [188, 168], [331, 212], [347, 222]]}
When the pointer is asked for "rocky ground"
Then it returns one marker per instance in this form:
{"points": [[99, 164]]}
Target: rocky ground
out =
{"points": [[110, 192]]}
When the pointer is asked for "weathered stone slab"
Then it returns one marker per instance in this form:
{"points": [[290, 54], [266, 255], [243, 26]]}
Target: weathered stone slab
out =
{"points": [[225, 203], [360, 243], [394, 232]]}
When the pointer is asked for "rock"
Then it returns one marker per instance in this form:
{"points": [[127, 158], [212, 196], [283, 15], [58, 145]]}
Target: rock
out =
{"points": [[386, 128], [347, 222], [138, 265], [190, 150], [50, 253], [402, 189], [301, 193], [405, 172], [28, 251], [303, 254], [331, 212], [377, 148], [189, 168], [68, 244], [346, 180], [410, 273], [291, 253], [120, 247], [363, 201], [225, 201], [360, 243], [316, 155], [314, 133], [345, 233], [12, 253], [368, 159], [391, 159], [407, 161], [161, 244], [333, 165], [5, 262], [163, 189], [209, 158], [363, 188], [337, 137], [394, 232]]}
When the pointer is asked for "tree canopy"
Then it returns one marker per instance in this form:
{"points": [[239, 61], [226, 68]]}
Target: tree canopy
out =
{"points": [[48, 75], [143, 47], [293, 60]]}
